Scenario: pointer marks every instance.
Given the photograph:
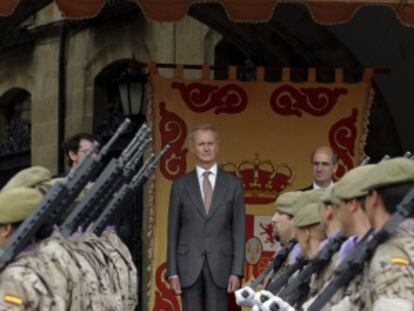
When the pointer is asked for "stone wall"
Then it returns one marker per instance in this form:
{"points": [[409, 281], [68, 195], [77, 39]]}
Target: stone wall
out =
{"points": [[90, 50]]}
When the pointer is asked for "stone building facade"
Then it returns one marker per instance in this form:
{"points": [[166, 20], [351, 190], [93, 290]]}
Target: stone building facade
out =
{"points": [[90, 49]]}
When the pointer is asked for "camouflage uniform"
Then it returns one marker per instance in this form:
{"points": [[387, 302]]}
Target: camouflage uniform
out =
{"points": [[319, 280], [25, 285], [113, 263], [273, 275], [388, 279], [123, 266]]}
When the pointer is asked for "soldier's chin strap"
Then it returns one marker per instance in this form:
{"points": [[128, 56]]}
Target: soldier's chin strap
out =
{"points": [[354, 263]]}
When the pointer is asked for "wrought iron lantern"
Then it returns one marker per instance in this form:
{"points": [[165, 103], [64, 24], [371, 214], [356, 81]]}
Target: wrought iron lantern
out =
{"points": [[131, 86]]}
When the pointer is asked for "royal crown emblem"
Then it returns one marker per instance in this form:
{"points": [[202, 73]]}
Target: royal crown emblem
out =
{"points": [[262, 180]]}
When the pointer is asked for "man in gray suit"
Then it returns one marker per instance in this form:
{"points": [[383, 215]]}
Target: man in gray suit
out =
{"points": [[206, 235]]}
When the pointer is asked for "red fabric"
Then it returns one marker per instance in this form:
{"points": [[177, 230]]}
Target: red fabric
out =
{"points": [[80, 8], [7, 7], [253, 11], [326, 12]]}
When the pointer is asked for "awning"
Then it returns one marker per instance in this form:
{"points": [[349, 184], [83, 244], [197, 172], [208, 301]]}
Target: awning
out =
{"points": [[323, 11]]}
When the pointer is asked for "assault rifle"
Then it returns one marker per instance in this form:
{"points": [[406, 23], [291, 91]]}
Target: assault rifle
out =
{"points": [[110, 180], [300, 284], [127, 192], [354, 263], [275, 264], [58, 199], [280, 282]]}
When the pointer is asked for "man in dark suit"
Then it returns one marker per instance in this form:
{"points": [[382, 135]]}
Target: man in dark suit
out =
{"points": [[206, 229], [324, 165]]}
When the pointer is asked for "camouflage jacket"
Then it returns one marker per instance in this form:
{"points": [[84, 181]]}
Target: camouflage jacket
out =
{"points": [[387, 282]]}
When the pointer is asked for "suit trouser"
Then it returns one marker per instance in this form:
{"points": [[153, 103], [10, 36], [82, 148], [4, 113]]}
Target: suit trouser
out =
{"points": [[204, 294]]}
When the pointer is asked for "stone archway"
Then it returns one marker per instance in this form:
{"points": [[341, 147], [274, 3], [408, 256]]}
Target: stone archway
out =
{"points": [[15, 129]]}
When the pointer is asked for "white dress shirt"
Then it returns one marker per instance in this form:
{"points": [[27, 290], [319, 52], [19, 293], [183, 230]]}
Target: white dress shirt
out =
{"points": [[316, 186]]}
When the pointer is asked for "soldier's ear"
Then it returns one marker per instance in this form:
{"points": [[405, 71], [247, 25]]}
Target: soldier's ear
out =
{"points": [[6, 230], [307, 234]]}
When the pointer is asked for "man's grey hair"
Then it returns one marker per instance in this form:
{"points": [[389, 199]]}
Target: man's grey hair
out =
{"points": [[202, 127]]}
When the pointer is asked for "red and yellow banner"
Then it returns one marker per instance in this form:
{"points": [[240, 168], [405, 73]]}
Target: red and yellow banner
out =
{"points": [[267, 133]]}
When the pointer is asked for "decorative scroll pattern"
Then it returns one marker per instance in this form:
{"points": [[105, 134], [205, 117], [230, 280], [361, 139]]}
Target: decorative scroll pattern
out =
{"points": [[173, 131], [200, 97], [317, 101], [342, 137], [164, 297]]}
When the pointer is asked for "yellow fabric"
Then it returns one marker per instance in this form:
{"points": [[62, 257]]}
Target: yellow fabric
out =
{"points": [[12, 299], [400, 261], [266, 138]]}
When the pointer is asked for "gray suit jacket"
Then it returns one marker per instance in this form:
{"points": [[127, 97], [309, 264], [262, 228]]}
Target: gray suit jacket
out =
{"points": [[193, 236]]}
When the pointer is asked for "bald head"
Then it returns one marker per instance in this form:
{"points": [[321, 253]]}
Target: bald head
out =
{"points": [[324, 164]]}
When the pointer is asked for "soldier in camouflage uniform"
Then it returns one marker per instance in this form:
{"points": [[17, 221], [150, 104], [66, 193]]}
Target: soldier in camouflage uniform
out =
{"points": [[330, 227], [388, 279], [283, 230], [24, 284], [88, 272], [307, 222], [308, 228], [347, 199]]}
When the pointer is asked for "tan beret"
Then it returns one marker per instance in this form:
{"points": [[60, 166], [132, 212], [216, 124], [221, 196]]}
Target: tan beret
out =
{"points": [[285, 201], [306, 208], [390, 172], [29, 178], [326, 197], [350, 186], [17, 203]]}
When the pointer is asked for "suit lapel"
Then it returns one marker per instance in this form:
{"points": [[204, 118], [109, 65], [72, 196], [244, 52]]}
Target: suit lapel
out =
{"points": [[220, 189], [193, 190]]}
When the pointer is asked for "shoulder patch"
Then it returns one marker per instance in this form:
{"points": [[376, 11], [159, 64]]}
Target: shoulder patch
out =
{"points": [[400, 261], [13, 299]]}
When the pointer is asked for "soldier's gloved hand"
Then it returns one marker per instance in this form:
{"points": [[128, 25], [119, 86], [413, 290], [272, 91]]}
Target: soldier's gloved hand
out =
{"points": [[261, 297], [245, 297], [256, 308], [276, 304]]}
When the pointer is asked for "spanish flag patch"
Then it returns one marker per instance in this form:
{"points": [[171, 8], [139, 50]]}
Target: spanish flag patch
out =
{"points": [[13, 299], [400, 261]]}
